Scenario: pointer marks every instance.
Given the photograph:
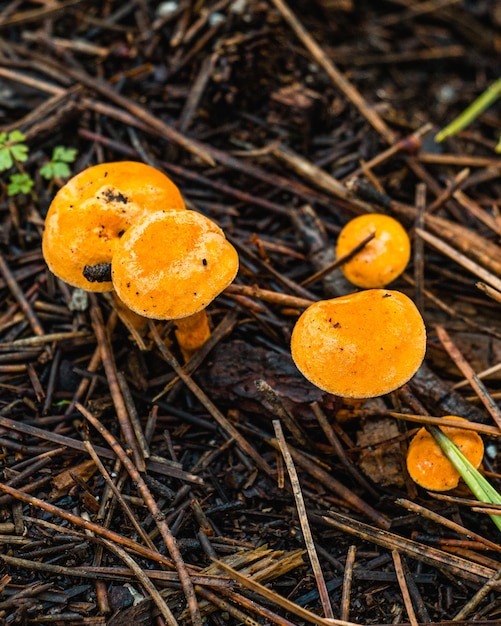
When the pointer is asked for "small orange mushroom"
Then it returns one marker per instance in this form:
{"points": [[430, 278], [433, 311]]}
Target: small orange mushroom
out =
{"points": [[171, 265], [430, 468], [91, 212], [383, 258], [361, 345]]}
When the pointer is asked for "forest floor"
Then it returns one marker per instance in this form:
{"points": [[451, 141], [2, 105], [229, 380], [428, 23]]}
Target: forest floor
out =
{"points": [[136, 490]]}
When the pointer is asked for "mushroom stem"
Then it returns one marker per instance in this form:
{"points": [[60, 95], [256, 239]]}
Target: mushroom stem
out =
{"points": [[136, 324], [129, 317], [192, 332]]}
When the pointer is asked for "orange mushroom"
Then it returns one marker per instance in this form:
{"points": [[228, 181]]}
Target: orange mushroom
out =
{"points": [[171, 265], [91, 212], [361, 345], [383, 258], [430, 468]]}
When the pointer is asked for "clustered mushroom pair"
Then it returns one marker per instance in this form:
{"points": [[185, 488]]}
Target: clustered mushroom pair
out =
{"points": [[123, 227], [368, 343]]}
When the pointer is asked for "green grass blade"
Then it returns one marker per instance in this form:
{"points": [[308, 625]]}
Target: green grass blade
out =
{"points": [[479, 485], [470, 114]]}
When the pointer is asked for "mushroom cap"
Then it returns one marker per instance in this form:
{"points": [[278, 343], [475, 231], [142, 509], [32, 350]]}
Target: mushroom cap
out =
{"points": [[430, 468], [361, 345], [383, 258], [93, 209], [172, 264]]}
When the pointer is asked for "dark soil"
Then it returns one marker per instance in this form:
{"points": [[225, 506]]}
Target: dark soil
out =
{"points": [[268, 119]]}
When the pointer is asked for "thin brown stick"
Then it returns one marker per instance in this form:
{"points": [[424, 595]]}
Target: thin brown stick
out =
{"points": [[455, 565], [113, 382], [272, 297], [447, 523], [133, 415], [341, 82], [474, 601], [460, 259], [274, 401], [273, 597], [227, 607], [483, 374], [223, 329], [448, 191], [419, 247], [469, 374], [105, 89], [224, 423], [477, 211], [325, 478], [347, 581], [303, 520], [104, 472], [397, 562], [338, 262], [74, 444], [495, 294], [157, 514], [316, 175], [459, 160], [144, 580], [40, 340], [48, 10], [406, 144], [492, 431], [92, 367], [85, 524], [21, 299], [339, 450], [254, 606]]}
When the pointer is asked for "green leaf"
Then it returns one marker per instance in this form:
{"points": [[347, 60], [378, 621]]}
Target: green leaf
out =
{"points": [[61, 153], [61, 170], [19, 152], [16, 136], [6, 161], [11, 149], [57, 167], [19, 183], [47, 170]]}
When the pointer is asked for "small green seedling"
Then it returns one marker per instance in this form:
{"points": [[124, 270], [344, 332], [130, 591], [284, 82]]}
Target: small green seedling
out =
{"points": [[13, 150], [479, 485], [58, 166], [470, 114], [20, 183]]}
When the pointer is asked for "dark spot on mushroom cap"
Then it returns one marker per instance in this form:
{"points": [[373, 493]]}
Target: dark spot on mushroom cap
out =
{"points": [[112, 196], [99, 273], [204, 261]]}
